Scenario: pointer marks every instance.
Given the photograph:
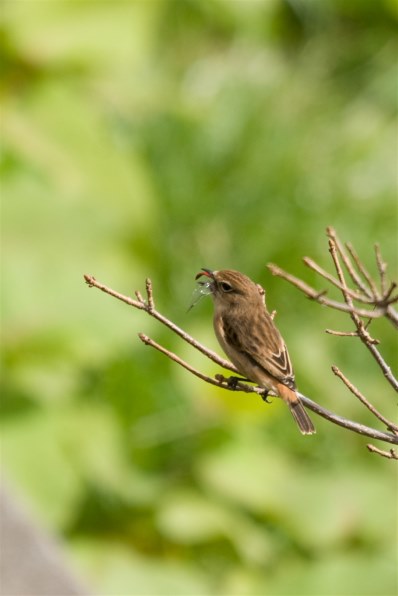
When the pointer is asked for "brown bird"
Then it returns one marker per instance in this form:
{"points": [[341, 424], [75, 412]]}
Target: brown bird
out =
{"points": [[249, 337]]}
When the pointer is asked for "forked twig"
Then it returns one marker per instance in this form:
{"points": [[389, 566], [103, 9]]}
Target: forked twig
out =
{"points": [[320, 296], [353, 293], [390, 454], [381, 296], [148, 307]]}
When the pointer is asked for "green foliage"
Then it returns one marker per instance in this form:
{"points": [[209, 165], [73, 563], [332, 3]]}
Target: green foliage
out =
{"points": [[151, 139]]}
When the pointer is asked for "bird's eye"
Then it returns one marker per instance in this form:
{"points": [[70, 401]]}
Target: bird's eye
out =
{"points": [[226, 287]]}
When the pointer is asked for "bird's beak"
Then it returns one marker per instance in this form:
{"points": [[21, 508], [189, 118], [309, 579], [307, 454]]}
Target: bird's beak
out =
{"points": [[204, 288], [206, 272]]}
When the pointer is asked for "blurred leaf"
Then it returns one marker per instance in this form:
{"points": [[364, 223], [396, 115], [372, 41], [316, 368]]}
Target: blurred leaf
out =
{"points": [[115, 569]]}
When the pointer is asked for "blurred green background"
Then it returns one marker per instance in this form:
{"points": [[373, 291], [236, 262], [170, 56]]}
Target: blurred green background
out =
{"points": [[153, 138]]}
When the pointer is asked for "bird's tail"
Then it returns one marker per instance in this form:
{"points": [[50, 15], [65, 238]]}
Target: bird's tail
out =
{"points": [[297, 409]]}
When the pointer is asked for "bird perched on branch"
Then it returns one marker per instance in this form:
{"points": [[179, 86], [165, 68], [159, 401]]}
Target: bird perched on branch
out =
{"points": [[249, 337]]}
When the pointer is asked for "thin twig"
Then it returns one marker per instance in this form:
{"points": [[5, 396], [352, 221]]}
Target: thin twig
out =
{"points": [[141, 305], [362, 269], [384, 300], [150, 342], [353, 293], [149, 292], [387, 372], [386, 297], [340, 274], [331, 233], [320, 296], [376, 313], [139, 296], [390, 425], [361, 329], [390, 454], [382, 267], [342, 333]]}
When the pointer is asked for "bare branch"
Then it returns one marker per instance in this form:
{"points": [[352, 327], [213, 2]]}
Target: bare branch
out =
{"points": [[382, 267], [141, 305], [340, 275], [320, 296], [386, 298], [362, 269], [390, 425], [150, 342], [361, 329], [354, 275], [392, 316], [342, 333], [382, 303], [390, 454], [387, 372], [353, 293], [221, 381], [139, 297], [149, 292], [348, 424]]}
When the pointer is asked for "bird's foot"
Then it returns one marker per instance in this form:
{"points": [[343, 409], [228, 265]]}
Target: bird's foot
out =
{"points": [[264, 396], [232, 382]]}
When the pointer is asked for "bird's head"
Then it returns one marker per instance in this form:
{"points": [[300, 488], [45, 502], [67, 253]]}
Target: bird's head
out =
{"points": [[231, 288]]}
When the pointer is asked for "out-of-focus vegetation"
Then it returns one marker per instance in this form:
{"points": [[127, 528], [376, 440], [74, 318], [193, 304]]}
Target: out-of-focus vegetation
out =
{"points": [[152, 138]]}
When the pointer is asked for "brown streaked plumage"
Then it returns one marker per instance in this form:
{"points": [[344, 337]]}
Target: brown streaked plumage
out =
{"points": [[249, 337]]}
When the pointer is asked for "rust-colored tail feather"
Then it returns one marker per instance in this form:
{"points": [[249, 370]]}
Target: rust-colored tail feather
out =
{"points": [[297, 409], [301, 417]]}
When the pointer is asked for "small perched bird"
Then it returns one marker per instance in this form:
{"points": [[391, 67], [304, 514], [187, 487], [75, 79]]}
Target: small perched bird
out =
{"points": [[249, 337]]}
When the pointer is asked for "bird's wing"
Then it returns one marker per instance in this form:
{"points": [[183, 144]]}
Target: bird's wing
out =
{"points": [[261, 342]]}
